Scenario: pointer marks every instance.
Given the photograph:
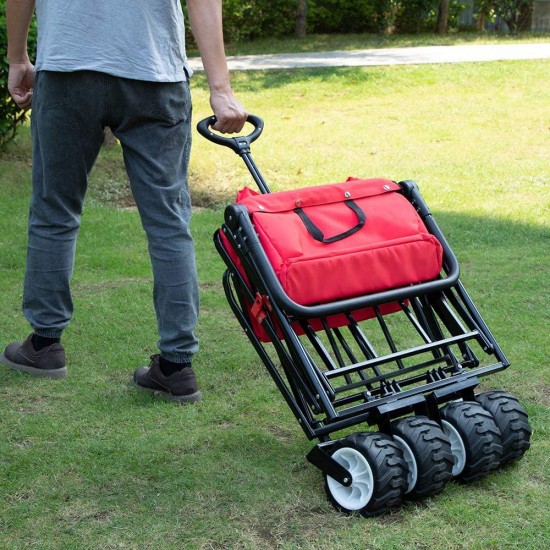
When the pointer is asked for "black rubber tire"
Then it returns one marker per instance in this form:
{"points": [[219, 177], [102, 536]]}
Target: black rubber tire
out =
{"points": [[388, 468], [512, 421], [479, 434], [431, 453]]}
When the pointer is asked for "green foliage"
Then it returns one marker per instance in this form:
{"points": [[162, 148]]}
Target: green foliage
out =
{"points": [[515, 13], [429, 17], [412, 15], [332, 16], [405, 17], [258, 18], [11, 116], [254, 19]]}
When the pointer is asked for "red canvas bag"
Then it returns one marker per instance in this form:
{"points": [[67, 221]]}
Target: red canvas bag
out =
{"points": [[344, 240], [381, 243]]}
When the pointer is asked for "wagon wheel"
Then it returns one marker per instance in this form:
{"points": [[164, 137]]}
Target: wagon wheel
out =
{"points": [[378, 472], [427, 451], [512, 421], [475, 439]]}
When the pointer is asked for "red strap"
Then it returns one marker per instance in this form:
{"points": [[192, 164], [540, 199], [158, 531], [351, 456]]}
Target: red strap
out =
{"points": [[258, 307]]}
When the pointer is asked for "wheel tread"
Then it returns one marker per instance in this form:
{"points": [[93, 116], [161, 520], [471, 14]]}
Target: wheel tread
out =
{"points": [[389, 468], [512, 420], [481, 437], [432, 451]]}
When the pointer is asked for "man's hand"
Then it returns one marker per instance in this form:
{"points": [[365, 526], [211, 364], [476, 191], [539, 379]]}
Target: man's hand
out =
{"points": [[230, 114], [20, 83]]}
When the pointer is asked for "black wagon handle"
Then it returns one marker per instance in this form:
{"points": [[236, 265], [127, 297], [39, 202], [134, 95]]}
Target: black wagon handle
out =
{"points": [[239, 144]]}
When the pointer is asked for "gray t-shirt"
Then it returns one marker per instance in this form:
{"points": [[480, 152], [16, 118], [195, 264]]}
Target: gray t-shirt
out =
{"points": [[138, 39]]}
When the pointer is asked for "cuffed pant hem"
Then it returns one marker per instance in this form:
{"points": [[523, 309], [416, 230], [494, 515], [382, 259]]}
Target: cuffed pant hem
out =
{"points": [[179, 359], [48, 333]]}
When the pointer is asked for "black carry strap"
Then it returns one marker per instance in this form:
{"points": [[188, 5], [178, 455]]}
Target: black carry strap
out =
{"points": [[317, 234]]}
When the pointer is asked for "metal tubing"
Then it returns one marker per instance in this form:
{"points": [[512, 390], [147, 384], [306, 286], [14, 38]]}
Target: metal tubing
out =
{"points": [[401, 354], [257, 254]]}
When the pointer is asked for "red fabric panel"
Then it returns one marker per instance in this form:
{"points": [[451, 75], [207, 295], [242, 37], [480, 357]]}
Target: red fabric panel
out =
{"points": [[393, 248], [333, 321]]}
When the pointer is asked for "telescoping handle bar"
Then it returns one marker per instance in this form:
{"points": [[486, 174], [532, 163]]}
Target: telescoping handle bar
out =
{"points": [[239, 145]]}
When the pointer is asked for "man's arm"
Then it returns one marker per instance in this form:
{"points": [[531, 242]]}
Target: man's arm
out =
{"points": [[21, 72], [206, 24]]}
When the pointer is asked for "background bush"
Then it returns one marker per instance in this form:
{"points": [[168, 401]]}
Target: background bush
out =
{"points": [[414, 15], [331, 16], [251, 19], [515, 13], [11, 116]]}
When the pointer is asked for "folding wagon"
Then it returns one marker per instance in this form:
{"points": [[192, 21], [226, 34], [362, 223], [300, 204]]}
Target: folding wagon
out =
{"points": [[351, 297]]}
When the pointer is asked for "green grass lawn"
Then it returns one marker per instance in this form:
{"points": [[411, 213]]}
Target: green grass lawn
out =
{"points": [[91, 462]]}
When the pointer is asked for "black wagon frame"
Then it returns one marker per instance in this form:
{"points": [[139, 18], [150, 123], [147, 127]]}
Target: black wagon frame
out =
{"points": [[337, 377]]}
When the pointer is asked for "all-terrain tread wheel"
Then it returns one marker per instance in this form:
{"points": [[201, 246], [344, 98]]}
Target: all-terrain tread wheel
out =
{"points": [[479, 435], [427, 451], [512, 421], [384, 483]]}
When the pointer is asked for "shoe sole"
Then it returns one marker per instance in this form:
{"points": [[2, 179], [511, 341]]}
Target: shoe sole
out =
{"points": [[45, 373], [181, 399]]}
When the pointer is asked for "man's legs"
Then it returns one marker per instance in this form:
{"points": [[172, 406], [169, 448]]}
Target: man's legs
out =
{"points": [[153, 123]]}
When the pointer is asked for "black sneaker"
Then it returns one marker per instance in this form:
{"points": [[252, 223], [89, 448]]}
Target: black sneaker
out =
{"points": [[49, 361], [180, 386]]}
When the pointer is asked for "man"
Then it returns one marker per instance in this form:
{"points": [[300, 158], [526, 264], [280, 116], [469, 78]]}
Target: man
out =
{"points": [[120, 65]]}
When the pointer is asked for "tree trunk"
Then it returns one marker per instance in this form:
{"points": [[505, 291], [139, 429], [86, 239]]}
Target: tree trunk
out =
{"points": [[301, 18], [442, 17]]}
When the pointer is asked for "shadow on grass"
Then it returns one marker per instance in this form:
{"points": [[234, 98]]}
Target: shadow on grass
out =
{"points": [[257, 81]]}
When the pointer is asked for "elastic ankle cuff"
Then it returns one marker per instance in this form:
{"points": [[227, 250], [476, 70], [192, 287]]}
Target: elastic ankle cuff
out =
{"points": [[180, 359], [49, 333]]}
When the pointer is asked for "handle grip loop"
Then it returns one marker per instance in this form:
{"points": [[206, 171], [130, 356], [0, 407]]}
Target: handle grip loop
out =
{"points": [[240, 144]]}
